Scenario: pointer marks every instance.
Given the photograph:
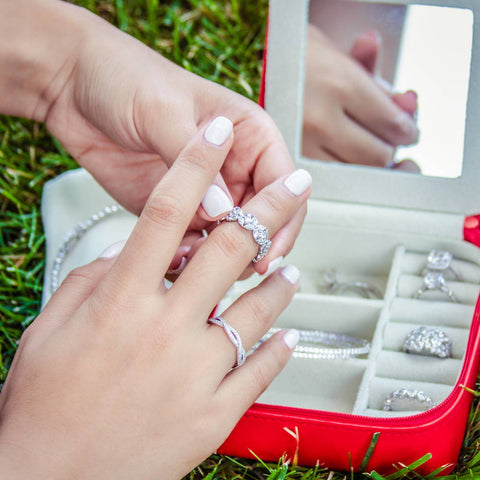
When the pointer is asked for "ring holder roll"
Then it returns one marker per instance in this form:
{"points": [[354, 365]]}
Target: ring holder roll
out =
{"points": [[377, 226]]}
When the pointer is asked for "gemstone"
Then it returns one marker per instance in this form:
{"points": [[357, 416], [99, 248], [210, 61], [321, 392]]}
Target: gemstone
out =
{"points": [[234, 214], [248, 221], [260, 234], [434, 281], [439, 260]]}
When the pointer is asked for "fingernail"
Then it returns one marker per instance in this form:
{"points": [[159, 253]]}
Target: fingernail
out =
{"points": [[218, 131], [216, 201], [113, 250], [180, 268], [273, 265], [290, 338], [290, 273], [412, 94], [298, 181]]}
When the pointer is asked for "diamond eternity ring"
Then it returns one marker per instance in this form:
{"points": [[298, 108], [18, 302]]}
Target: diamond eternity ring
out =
{"points": [[250, 222], [407, 399]]}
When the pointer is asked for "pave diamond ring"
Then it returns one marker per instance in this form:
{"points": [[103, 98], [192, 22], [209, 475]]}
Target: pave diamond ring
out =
{"points": [[250, 222], [407, 400], [428, 341], [233, 336], [440, 261], [435, 281]]}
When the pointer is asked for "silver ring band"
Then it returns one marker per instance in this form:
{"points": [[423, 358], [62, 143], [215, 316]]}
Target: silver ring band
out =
{"points": [[250, 222], [428, 341], [234, 337], [406, 399]]}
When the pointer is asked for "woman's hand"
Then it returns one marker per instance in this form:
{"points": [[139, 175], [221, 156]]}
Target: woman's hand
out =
{"points": [[119, 377], [348, 115], [124, 112]]}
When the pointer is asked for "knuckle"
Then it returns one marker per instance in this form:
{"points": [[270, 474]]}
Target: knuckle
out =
{"points": [[231, 244], [258, 307], [273, 203], [165, 210], [260, 377], [80, 275]]}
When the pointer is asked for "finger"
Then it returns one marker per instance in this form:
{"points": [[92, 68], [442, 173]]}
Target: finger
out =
{"points": [[230, 248], [149, 251], [407, 165], [357, 145], [407, 101], [366, 50], [254, 313], [74, 290], [376, 111], [253, 378]]}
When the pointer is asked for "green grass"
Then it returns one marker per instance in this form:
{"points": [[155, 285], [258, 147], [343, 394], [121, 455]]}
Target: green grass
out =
{"points": [[222, 41]]}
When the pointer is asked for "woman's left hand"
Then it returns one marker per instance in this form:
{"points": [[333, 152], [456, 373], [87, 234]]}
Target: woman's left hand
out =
{"points": [[125, 113]]}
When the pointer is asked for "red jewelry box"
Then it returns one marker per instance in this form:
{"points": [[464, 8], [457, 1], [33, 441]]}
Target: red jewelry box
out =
{"points": [[375, 225]]}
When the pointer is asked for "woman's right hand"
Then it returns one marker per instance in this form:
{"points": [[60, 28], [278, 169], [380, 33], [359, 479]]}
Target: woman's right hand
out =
{"points": [[119, 377]]}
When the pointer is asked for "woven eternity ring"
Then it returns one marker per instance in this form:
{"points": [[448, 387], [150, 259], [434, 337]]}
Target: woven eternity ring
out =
{"points": [[249, 222], [234, 337]]}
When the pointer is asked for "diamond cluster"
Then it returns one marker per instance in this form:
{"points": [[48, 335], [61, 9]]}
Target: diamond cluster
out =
{"points": [[439, 260], [428, 341], [409, 398], [250, 222]]}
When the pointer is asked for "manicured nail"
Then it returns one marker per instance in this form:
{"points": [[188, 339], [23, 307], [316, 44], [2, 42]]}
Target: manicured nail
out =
{"points": [[113, 250], [218, 131], [290, 338], [412, 94], [298, 181], [180, 268], [273, 265], [291, 273], [216, 201]]}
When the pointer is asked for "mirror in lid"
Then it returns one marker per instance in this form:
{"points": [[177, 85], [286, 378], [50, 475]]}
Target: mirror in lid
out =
{"points": [[386, 85]]}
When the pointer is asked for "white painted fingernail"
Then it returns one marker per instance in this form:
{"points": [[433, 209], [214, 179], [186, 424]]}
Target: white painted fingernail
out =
{"points": [[113, 250], [218, 131], [291, 273], [273, 265], [298, 181], [290, 338], [216, 201]]}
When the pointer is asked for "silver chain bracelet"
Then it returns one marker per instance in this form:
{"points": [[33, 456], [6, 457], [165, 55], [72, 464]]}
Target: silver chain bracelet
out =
{"points": [[72, 238]]}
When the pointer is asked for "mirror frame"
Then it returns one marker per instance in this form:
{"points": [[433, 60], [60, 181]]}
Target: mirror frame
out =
{"points": [[284, 80]]}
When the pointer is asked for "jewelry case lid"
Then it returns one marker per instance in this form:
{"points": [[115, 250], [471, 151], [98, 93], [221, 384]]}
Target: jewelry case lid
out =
{"points": [[284, 81]]}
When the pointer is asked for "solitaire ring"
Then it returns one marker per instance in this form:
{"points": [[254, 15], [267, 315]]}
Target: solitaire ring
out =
{"points": [[440, 261], [234, 337], [406, 400], [435, 281], [250, 222], [428, 341], [364, 289]]}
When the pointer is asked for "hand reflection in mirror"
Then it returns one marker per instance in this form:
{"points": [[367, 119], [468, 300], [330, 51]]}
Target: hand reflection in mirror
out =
{"points": [[350, 114]]}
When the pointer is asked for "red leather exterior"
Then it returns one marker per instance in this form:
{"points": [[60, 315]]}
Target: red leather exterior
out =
{"points": [[471, 229]]}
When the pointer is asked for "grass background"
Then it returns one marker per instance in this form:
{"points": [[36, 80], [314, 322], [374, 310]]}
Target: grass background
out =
{"points": [[217, 39]]}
